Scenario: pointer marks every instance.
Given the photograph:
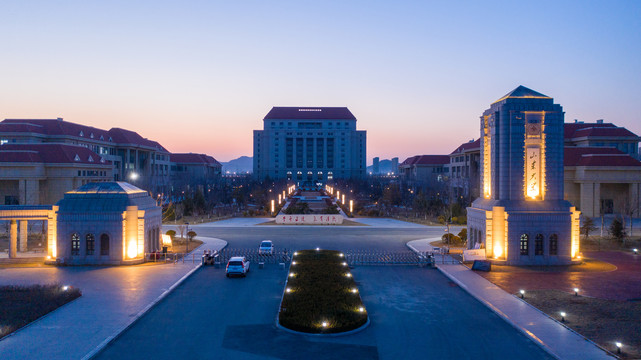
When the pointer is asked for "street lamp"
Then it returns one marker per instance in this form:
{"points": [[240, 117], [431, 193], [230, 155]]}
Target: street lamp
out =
{"points": [[562, 313]]}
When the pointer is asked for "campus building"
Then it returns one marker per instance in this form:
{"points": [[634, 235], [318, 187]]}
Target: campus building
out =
{"points": [[464, 171], [423, 171], [194, 171], [521, 217], [309, 145], [41, 159], [112, 223], [108, 223]]}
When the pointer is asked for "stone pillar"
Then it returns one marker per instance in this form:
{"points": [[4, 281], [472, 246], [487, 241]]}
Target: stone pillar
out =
{"points": [[24, 233], [597, 200], [587, 199], [13, 239]]}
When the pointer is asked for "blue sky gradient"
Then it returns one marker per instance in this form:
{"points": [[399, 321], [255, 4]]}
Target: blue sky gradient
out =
{"points": [[199, 76]]}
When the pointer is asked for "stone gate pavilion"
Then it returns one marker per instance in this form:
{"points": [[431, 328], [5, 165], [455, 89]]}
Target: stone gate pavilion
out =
{"points": [[111, 223], [520, 217]]}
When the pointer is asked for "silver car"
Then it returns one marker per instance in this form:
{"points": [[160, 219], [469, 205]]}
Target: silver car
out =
{"points": [[237, 265], [266, 248]]}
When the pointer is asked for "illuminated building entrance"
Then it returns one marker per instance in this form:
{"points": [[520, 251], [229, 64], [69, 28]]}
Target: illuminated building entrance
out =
{"points": [[521, 217]]}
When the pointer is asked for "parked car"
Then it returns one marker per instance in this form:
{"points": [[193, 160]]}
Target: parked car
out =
{"points": [[237, 265], [266, 248]]}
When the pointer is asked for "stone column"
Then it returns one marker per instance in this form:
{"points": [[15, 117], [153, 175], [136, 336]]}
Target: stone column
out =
{"points": [[13, 239], [597, 199], [587, 199], [24, 233]]}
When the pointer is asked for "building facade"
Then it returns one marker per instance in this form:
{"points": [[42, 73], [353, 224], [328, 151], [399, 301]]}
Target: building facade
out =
{"points": [[521, 217], [464, 169], [41, 173], [194, 171], [42, 159], [423, 171], [132, 157], [309, 145], [111, 223]]}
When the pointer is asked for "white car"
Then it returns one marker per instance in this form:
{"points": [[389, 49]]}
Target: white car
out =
{"points": [[237, 265], [266, 248]]}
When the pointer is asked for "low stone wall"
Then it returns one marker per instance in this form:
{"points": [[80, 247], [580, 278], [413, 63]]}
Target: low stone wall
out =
{"points": [[309, 219]]}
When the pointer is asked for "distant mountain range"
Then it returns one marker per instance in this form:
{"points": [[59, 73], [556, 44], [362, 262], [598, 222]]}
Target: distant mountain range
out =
{"points": [[241, 165], [246, 164]]}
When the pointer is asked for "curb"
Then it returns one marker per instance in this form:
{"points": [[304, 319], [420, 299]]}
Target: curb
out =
{"points": [[40, 318], [139, 315], [498, 312]]}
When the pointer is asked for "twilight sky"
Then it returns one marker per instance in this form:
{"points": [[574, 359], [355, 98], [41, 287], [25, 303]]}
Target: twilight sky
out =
{"points": [[199, 76]]}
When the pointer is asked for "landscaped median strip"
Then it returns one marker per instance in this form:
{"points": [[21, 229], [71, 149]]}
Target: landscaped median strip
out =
{"points": [[321, 296]]}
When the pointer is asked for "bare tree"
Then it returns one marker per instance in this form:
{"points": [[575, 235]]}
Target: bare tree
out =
{"points": [[181, 230]]}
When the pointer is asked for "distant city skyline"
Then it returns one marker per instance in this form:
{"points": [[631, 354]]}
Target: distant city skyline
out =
{"points": [[200, 76]]}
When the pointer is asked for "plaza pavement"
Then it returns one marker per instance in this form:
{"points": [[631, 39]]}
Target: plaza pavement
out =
{"points": [[112, 298], [554, 337]]}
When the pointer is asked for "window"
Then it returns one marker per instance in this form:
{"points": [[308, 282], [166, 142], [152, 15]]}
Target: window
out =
{"points": [[91, 244], [538, 244], [524, 244], [75, 244], [554, 244], [104, 244]]}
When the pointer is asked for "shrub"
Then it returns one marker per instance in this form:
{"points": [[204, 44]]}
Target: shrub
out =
{"points": [[463, 234], [321, 292], [452, 240]]}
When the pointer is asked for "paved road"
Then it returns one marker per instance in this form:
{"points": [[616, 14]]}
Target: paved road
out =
{"points": [[415, 313], [392, 238]]}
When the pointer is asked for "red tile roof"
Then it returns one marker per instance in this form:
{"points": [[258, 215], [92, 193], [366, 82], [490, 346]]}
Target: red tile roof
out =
{"points": [[427, 160], [59, 127], [470, 145], [575, 130], [50, 153], [190, 158], [317, 113], [597, 156]]}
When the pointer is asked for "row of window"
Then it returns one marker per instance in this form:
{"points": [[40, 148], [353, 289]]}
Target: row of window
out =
{"points": [[538, 244], [90, 244]]}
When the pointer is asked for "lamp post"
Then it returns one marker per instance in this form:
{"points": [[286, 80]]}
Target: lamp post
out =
{"points": [[273, 207], [351, 206]]}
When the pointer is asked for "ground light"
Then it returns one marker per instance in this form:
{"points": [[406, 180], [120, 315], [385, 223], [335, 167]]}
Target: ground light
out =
{"points": [[562, 313], [522, 292], [635, 251], [619, 345], [65, 288], [361, 309], [324, 324], [288, 290], [576, 291]]}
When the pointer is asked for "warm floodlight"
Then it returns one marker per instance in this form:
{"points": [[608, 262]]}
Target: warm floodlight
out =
{"points": [[635, 251], [576, 291], [324, 324], [562, 313], [317, 249], [293, 262], [354, 290], [361, 309], [522, 292], [65, 288], [295, 253], [618, 344], [291, 275], [348, 275], [344, 264], [288, 290]]}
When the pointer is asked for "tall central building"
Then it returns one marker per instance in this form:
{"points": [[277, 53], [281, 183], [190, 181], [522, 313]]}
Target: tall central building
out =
{"points": [[309, 145]]}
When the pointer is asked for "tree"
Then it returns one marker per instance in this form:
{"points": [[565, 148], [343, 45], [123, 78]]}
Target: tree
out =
{"points": [[463, 234], [617, 230], [181, 229], [190, 236], [171, 233], [587, 226]]}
